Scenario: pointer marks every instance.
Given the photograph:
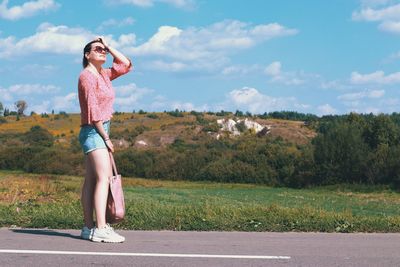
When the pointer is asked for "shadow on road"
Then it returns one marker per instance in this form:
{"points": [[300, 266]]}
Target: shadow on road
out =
{"points": [[45, 232]]}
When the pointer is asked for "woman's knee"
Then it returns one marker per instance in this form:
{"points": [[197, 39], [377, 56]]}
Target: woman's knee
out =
{"points": [[100, 164]]}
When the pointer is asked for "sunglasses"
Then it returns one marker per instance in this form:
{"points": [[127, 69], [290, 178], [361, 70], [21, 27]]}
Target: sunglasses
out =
{"points": [[100, 49]]}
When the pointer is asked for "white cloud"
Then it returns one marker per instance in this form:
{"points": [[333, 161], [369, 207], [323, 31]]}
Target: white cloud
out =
{"points": [[127, 96], [5, 95], [390, 26], [386, 105], [162, 103], [388, 16], [185, 4], [65, 103], [180, 3], [375, 93], [207, 48], [373, 3], [157, 44], [166, 66], [250, 99], [28, 9], [44, 107], [372, 94], [49, 38], [384, 14], [115, 23], [233, 70], [377, 77], [274, 71], [56, 39], [337, 85], [33, 93], [236, 70], [31, 89], [124, 40], [326, 110], [68, 103], [39, 68]]}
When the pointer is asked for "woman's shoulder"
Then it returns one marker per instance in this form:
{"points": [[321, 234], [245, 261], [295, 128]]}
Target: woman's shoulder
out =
{"points": [[87, 75]]}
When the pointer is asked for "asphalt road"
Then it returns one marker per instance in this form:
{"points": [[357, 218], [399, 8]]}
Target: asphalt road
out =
{"points": [[42, 247]]}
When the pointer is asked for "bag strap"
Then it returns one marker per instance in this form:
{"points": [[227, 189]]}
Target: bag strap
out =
{"points": [[114, 167]]}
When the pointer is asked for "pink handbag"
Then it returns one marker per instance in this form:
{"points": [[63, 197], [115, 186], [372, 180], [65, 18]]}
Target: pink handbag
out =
{"points": [[115, 211]]}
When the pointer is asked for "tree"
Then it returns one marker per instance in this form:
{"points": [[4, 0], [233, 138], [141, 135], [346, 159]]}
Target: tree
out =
{"points": [[21, 106], [341, 154], [239, 113], [1, 109], [381, 130]]}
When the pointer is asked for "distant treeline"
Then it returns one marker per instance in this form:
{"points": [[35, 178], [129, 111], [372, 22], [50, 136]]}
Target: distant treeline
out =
{"points": [[352, 148]]}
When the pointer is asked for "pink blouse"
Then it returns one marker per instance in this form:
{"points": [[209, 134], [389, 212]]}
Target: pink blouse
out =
{"points": [[96, 94]]}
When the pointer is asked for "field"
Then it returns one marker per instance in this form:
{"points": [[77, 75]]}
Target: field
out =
{"points": [[30, 200]]}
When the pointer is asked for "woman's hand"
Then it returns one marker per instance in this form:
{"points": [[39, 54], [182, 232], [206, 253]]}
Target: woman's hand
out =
{"points": [[114, 52], [103, 41], [109, 145]]}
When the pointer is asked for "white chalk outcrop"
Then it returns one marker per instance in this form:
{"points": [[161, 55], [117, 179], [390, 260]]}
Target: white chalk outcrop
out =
{"points": [[230, 125]]}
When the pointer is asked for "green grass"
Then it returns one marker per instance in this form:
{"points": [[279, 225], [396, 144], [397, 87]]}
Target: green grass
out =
{"points": [[29, 200], [372, 204]]}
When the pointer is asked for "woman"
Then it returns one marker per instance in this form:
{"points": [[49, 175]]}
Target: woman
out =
{"points": [[96, 97]]}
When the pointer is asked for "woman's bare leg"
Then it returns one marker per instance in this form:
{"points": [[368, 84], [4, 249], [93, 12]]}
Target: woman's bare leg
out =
{"points": [[87, 194], [99, 160]]}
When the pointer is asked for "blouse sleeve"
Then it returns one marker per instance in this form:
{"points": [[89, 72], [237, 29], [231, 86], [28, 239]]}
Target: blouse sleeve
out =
{"points": [[88, 86], [118, 68]]}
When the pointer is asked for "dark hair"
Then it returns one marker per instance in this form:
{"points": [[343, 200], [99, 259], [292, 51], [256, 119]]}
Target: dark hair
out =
{"points": [[87, 49]]}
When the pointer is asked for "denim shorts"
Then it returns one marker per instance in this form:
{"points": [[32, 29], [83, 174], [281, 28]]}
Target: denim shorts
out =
{"points": [[90, 139]]}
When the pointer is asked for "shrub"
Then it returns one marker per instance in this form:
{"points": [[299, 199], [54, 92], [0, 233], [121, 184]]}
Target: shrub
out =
{"points": [[241, 127], [225, 170], [175, 113], [55, 161], [166, 165], [14, 158], [134, 163], [223, 113], [152, 116], [211, 127], [39, 136]]}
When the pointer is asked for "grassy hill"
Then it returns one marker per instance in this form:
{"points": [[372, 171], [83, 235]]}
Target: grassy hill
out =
{"points": [[155, 129], [217, 147]]}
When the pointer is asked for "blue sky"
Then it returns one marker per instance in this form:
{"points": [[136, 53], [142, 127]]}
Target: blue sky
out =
{"points": [[310, 56]]}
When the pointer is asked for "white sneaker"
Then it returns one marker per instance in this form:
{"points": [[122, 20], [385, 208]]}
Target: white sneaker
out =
{"points": [[107, 235], [87, 233]]}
